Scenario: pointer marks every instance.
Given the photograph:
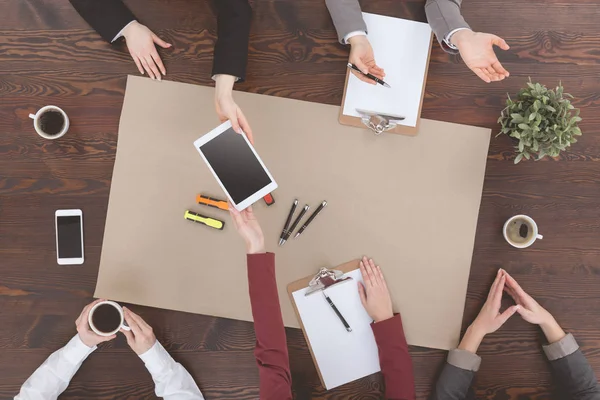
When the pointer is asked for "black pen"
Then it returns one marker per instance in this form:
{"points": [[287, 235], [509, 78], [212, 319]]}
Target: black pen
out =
{"points": [[295, 224], [339, 314], [370, 76], [309, 220], [287, 223]]}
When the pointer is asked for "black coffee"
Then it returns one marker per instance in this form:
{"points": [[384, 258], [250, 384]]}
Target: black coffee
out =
{"points": [[106, 318], [52, 122]]}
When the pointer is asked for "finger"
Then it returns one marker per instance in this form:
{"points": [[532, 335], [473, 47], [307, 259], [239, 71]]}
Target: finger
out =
{"points": [[491, 73], [245, 126], [234, 123], [160, 42], [108, 338], [497, 299], [362, 294], [381, 278], [372, 280], [374, 272], [85, 313], [138, 319], [158, 62], [525, 313], [494, 284], [128, 335], [500, 69], [498, 41], [512, 283], [364, 78], [132, 323], [153, 67], [147, 67], [365, 274], [509, 312], [361, 65], [479, 72], [138, 64]]}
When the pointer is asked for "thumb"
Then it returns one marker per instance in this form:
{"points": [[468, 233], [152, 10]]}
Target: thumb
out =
{"points": [[498, 41], [160, 42], [525, 314], [235, 125], [362, 294], [509, 312]]}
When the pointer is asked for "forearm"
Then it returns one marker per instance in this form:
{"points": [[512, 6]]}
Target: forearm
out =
{"points": [[394, 358], [271, 347], [107, 17], [346, 16], [233, 31], [444, 16], [171, 379], [54, 375]]}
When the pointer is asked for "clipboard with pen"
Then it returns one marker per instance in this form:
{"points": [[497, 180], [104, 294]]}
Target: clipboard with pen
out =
{"points": [[402, 48]]}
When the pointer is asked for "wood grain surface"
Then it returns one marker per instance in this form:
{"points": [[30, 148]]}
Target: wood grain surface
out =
{"points": [[48, 55]]}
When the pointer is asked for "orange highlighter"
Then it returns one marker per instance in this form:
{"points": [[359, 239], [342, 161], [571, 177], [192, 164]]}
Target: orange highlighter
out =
{"points": [[212, 202]]}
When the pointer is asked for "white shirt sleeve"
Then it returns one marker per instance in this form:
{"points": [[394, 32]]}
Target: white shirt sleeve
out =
{"points": [[54, 375], [172, 381], [121, 31], [449, 36], [352, 34]]}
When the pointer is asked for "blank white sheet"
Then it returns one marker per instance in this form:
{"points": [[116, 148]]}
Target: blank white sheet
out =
{"points": [[341, 356], [401, 48]]}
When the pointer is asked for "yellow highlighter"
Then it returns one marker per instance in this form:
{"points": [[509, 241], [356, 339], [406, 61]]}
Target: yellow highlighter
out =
{"points": [[201, 219]]}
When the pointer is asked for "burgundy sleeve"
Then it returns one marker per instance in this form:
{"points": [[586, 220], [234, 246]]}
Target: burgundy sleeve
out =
{"points": [[396, 365], [271, 347]]}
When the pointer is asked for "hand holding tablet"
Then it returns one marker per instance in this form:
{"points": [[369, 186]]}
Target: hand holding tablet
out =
{"points": [[235, 164]]}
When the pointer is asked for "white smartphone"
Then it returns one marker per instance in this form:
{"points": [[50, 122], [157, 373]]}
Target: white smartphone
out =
{"points": [[69, 237], [235, 164]]}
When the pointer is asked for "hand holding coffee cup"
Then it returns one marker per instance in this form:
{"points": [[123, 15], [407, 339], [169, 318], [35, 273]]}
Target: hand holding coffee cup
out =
{"points": [[86, 334], [50, 122], [106, 318], [141, 336], [521, 231]]}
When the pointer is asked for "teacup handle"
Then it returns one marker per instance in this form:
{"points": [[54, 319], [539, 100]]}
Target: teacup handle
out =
{"points": [[539, 236], [125, 327], [32, 116]]}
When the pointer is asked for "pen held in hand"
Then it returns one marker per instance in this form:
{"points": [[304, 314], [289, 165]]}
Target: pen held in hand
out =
{"points": [[370, 76]]}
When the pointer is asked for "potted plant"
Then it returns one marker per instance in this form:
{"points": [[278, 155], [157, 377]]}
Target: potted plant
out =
{"points": [[542, 121]]}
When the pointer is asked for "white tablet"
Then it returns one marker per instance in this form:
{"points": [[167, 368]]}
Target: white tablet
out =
{"points": [[236, 165]]}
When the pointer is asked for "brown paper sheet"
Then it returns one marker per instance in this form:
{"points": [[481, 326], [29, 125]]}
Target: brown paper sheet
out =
{"points": [[409, 202]]}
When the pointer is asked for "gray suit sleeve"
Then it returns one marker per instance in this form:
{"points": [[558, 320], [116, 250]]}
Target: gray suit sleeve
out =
{"points": [[444, 16], [346, 16], [573, 373], [455, 380]]}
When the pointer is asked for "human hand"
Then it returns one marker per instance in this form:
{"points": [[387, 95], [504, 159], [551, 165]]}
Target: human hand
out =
{"points": [[374, 294], [477, 50], [532, 312], [140, 42], [490, 319], [361, 55], [141, 337], [227, 109], [247, 225], [86, 334]]}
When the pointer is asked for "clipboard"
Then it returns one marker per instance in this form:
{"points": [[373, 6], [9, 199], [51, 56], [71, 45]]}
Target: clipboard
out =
{"points": [[377, 121], [303, 283]]}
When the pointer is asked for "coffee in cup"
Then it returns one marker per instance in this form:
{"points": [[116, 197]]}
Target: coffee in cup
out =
{"points": [[106, 318], [521, 231], [50, 122]]}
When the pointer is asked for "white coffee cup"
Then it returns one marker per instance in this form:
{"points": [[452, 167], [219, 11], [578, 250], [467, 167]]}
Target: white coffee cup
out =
{"points": [[122, 324], [36, 122], [534, 236]]}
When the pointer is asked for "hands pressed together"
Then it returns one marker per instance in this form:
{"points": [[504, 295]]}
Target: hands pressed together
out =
{"points": [[141, 337], [490, 319]]}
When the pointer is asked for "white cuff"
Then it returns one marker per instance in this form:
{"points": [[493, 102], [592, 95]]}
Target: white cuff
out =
{"points": [[156, 359], [352, 34], [449, 36], [214, 77], [76, 351], [121, 32]]}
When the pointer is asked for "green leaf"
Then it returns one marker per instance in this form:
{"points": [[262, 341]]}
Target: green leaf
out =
{"points": [[532, 116], [521, 145], [550, 108], [524, 126], [518, 158]]}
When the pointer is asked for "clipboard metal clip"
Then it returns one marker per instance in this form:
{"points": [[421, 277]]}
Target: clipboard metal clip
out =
{"points": [[378, 123], [324, 279]]}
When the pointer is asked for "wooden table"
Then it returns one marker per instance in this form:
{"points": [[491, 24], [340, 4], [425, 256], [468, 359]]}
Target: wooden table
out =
{"points": [[48, 55]]}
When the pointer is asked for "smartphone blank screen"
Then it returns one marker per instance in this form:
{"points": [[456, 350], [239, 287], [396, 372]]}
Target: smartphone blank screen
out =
{"points": [[235, 164], [69, 236]]}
